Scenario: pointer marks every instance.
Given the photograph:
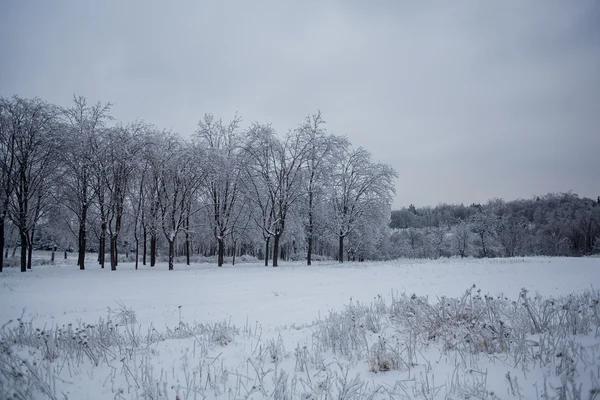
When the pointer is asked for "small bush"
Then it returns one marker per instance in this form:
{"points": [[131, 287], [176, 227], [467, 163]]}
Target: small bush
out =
{"points": [[384, 356], [124, 315]]}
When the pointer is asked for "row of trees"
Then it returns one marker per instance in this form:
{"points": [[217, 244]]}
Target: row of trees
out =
{"points": [[72, 177], [557, 224]]}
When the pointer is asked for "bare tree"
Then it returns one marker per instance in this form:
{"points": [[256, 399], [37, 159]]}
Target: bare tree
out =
{"points": [[365, 241], [176, 173], [239, 227], [150, 218], [151, 226], [99, 147], [484, 225], [357, 186], [82, 124], [7, 166], [138, 204], [222, 183], [259, 143], [124, 144], [511, 230], [274, 172], [318, 162], [32, 125], [462, 238]]}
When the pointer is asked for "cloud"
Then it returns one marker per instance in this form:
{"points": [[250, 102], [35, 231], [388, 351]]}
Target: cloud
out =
{"points": [[467, 100]]}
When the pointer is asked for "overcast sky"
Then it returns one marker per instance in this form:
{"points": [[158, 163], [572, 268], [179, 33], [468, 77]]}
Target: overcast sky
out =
{"points": [[467, 100]]}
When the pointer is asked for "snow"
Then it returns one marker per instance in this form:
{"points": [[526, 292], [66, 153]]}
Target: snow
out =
{"points": [[284, 302], [257, 293]]}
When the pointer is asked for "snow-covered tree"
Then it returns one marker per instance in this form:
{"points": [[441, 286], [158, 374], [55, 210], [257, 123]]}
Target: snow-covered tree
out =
{"points": [[366, 240], [511, 231], [177, 173], [484, 225], [358, 187], [124, 143], [7, 166], [273, 178], [222, 184], [462, 237], [31, 126], [81, 124], [319, 159]]}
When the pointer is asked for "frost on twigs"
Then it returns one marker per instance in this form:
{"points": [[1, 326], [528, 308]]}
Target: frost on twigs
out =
{"points": [[123, 315], [400, 347], [469, 331]]}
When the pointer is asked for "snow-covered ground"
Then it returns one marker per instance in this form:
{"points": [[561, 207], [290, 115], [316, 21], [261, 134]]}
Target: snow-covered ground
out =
{"points": [[290, 294], [279, 311]]}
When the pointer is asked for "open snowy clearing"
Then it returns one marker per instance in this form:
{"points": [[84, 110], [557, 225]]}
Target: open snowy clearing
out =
{"points": [[278, 338], [290, 294]]}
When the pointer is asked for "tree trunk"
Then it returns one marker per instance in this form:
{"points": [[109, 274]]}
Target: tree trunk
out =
{"points": [[137, 252], [82, 244], [152, 250], [267, 240], [29, 254], [102, 249], [171, 254], [103, 225], [276, 251], [23, 235], [187, 241], [234, 251], [113, 253], [188, 255], [309, 252], [310, 229], [65, 253], [341, 250], [53, 254], [144, 246], [116, 251], [2, 242], [221, 251], [483, 245], [30, 248]]}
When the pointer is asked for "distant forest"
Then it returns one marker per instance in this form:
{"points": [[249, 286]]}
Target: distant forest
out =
{"points": [[557, 224]]}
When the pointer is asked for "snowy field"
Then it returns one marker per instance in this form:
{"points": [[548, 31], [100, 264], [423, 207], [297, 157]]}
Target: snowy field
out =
{"points": [[320, 332]]}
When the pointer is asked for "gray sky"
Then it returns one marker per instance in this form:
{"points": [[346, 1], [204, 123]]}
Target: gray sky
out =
{"points": [[467, 100]]}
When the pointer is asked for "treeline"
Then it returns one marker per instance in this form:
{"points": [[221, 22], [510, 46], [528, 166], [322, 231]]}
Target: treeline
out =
{"points": [[72, 178], [557, 224]]}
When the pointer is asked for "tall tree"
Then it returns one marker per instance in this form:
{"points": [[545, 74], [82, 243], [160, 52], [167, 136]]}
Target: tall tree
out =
{"points": [[32, 124], [484, 224], [7, 166], [138, 204], [124, 145], [358, 186], [274, 172], [222, 183], [82, 123], [320, 150], [511, 231], [177, 173], [462, 238]]}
